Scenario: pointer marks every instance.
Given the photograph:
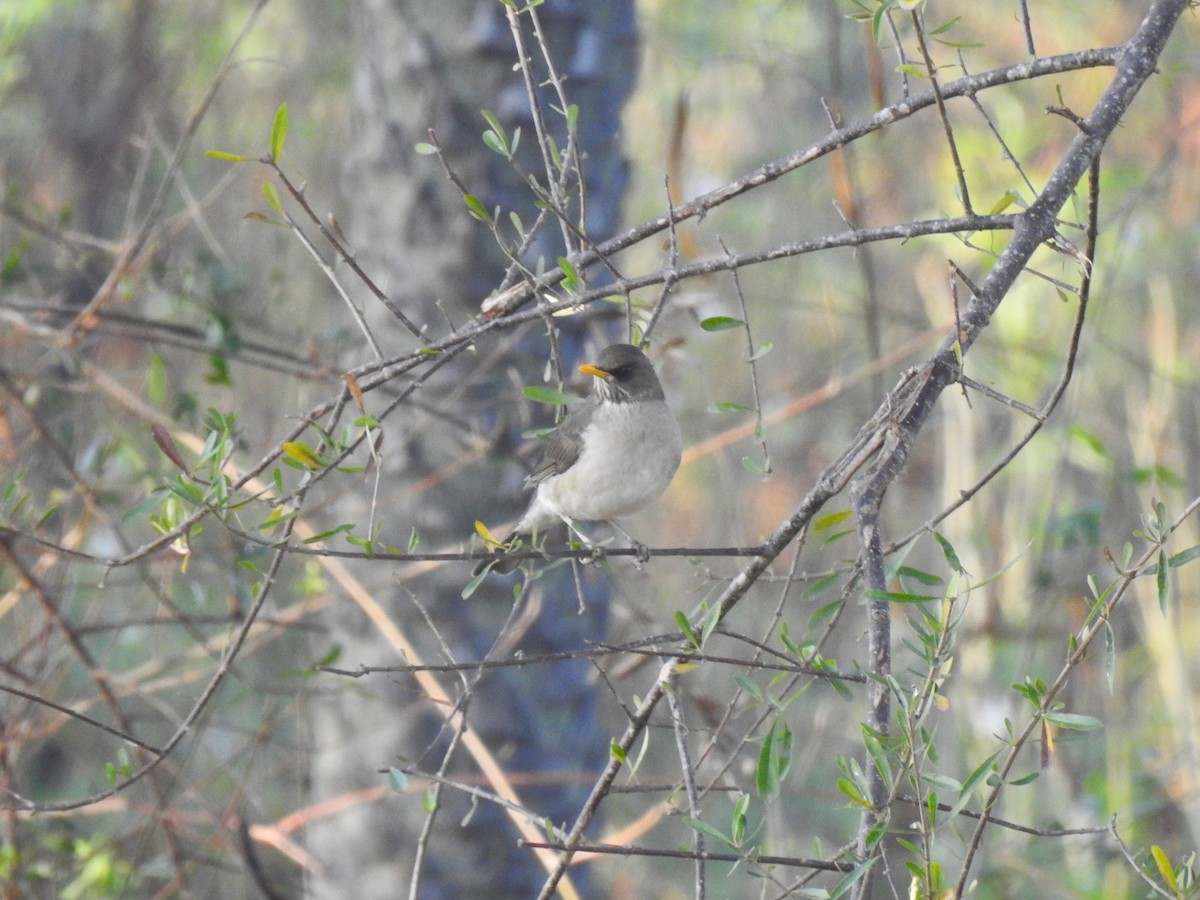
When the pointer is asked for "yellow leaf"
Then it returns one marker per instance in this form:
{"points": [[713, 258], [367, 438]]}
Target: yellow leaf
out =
{"points": [[493, 542], [303, 454]]}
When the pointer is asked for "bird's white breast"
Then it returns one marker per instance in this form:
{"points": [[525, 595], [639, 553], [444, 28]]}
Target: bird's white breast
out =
{"points": [[630, 454]]}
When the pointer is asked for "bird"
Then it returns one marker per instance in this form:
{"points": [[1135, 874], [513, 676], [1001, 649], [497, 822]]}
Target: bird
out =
{"points": [[611, 456]]}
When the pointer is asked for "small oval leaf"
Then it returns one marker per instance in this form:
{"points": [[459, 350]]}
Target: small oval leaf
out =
{"points": [[721, 323], [539, 394], [279, 132]]}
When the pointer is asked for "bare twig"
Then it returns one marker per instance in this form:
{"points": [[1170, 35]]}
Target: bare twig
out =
{"points": [[931, 68]]}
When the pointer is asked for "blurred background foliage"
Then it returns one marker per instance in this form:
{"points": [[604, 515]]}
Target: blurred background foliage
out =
{"points": [[229, 313]]}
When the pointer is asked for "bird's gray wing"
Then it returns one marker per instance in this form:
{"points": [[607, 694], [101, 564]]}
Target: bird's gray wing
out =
{"points": [[563, 445]]}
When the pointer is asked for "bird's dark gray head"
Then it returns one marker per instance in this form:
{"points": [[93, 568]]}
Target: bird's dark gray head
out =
{"points": [[624, 375]]}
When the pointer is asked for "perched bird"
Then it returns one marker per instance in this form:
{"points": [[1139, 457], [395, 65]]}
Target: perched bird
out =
{"points": [[611, 456]]}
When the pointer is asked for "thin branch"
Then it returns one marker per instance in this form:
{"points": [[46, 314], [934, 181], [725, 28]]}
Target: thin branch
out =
{"points": [[331, 277], [542, 134], [707, 855], [506, 302], [1027, 22], [297, 194], [959, 173], [67, 711], [688, 774]]}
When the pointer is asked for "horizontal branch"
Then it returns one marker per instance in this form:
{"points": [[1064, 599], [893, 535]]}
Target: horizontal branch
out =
{"points": [[598, 650], [583, 553], [703, 855]]}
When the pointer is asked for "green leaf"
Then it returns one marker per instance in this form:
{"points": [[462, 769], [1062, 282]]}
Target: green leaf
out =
{"points": [[425, 149], [332, 655], [1088, 439], [1163, 864], [229, 157], [973, 781], [539, 394], [720, 323], [755, 466], [570, 276], [279, 132], [497, 129], [847, 787], [708, 831], [738, 819], [855, 875], [218, 372], [156, 380], [950, 554], [944, 781], [475, 582], [826, 522], [730, 406], [926, 578], [493, 142], [1073, 721], [899, 596], [941, 29], [476, 208], [685, 627], [749, 686], [617, 752], [912, 70], [1006, 200], [878, 758], [826, 612], [1163, 582], [819, 585], [1183, 557], [272, 196], [325, 535], [397, 780], [774, 760]]}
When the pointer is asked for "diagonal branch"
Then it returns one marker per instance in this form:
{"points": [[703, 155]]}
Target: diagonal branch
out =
{"points": [[909, 409]]}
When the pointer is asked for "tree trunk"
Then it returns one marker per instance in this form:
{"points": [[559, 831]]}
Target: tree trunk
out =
{"points": [[435, 66]]}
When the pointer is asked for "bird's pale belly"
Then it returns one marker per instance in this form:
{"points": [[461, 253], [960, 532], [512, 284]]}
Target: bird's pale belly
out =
{"points": [[630, 471]]}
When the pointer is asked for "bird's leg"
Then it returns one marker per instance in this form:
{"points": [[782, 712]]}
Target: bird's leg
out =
{"points": [[641, 551]]}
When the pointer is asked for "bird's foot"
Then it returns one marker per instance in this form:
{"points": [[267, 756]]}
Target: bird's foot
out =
{"points": [[641, 554]]}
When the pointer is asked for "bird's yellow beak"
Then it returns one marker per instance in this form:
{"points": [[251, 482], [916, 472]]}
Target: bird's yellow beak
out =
{"points": [[589, 369]]}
